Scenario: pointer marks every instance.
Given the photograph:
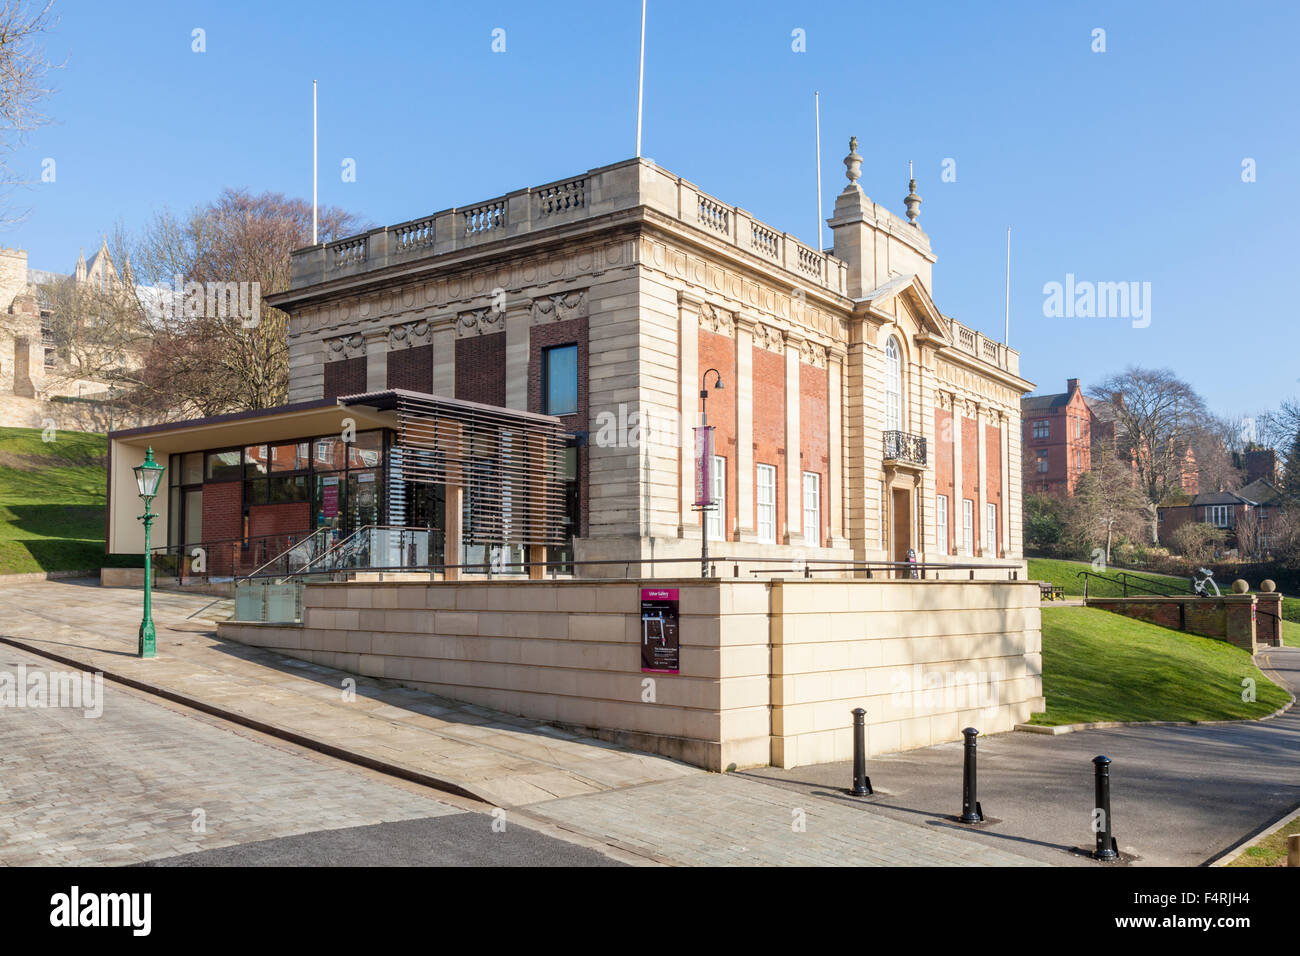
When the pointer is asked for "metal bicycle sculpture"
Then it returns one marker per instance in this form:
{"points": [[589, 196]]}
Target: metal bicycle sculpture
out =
{"points": [[1202, 580]]}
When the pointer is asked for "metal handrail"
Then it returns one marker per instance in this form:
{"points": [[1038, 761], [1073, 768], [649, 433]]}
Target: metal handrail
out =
{"points": [[1122, 581], [832, 563], [348, 542], [298, 544], [1155, 582]]}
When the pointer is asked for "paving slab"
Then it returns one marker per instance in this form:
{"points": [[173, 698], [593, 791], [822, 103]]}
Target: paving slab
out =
{"points": [[494, 757], [1180, 796]]}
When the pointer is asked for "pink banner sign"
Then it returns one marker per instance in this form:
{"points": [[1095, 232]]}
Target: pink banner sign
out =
{"points": [[704, 467]]}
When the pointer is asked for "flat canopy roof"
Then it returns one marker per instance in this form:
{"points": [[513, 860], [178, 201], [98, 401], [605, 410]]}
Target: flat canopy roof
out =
{"points": [[390, 399], [320, 417], [283, 423]]}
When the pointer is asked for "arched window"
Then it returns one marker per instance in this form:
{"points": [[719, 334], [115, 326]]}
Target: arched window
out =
{"points": [[893, 385]]}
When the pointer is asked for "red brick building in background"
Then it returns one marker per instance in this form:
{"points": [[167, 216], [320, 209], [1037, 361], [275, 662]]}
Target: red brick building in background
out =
{"points": [[1057, 438], [1059, 432]]}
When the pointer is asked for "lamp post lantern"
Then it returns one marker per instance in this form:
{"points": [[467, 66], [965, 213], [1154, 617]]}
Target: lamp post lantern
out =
{"points": [[710, 502], [147, 477]]}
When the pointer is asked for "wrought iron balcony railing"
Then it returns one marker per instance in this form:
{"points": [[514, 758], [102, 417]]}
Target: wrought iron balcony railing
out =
{"points": [[905, 447]]}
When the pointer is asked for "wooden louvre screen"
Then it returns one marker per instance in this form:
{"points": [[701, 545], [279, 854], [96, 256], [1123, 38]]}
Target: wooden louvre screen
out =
{"points": [[510, 465]]}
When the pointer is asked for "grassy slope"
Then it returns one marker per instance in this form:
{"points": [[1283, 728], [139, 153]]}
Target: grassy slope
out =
{"points": [[1270, 851], [1102, 666], [1066, 574], [52, 502]]}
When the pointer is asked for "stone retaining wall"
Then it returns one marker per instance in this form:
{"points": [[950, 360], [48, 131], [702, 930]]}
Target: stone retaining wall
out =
{"points": [[1230, 617], [770, 671]]}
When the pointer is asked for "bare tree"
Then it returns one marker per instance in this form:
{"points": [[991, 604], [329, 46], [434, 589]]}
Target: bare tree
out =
{"points": [[215, 345], [1196, 541], [1107, 505], [1157, 418], [23, 89], [1248, 530], [1218, 444]]}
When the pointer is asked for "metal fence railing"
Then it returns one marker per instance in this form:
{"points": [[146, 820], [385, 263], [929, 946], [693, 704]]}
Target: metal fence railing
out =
{"points": [[404, 550]]}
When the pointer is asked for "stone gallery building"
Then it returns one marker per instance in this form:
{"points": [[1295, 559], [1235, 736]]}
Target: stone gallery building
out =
{"points": [[852, 419], [518, 380]]}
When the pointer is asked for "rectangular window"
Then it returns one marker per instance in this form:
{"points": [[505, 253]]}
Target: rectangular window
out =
{"points": [[192, 468], [1219, 515], [288, 488], [256, 461], [1041, 428], [941, 523], [291, 457], [812, 508], [367, 451], [967, 526], [224, 465], [1042, 462], [765, 489], [560, 379], [716, 519], [990, 528]]}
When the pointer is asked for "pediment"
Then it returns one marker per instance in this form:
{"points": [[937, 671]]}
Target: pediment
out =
{"points": [[906, 301]]}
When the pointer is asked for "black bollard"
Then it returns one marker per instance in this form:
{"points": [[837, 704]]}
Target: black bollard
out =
{"points": [[861, 782], [1107, 847], [971, 811]]}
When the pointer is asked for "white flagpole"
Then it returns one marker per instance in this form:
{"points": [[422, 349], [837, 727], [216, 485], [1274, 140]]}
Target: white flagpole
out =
{"points": [[1006, 327], [314, 238], [817, 103], [640, 83]]}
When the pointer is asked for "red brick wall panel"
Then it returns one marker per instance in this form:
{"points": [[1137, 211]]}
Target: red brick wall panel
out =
{"points": [[769, 430], [814, 438], [481, 368], [943, 473], [970, 478], [411, 369], [993, 474], [719, 352], [347, 377]]}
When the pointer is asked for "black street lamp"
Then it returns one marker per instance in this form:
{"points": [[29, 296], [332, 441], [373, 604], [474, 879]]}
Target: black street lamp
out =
{"points": [[147, 477], [712, 502]]}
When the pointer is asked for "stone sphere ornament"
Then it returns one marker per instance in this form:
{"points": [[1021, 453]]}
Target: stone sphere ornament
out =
{"points": [[1240, 587]]}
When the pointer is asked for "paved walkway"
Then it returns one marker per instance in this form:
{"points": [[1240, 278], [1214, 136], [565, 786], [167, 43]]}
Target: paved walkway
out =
{"points": [[503, 760], [1180, 796], [632, 806], [126, 786]]}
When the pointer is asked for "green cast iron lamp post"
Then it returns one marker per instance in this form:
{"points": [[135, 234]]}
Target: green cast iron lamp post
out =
{"points": [[147, 477]]}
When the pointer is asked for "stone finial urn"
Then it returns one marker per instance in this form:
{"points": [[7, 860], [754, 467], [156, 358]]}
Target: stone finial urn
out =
{"points": [[853, 162], [912, 202]]}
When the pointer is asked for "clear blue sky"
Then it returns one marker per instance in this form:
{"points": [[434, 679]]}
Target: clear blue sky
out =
{"points": [[1116, 166]]}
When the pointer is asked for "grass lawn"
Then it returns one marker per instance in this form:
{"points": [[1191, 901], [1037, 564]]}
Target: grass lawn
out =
{"points": [[1291, 609], [52, 502], [1066, 575], [1270, 851], [1290, 633], [1102, 666]]}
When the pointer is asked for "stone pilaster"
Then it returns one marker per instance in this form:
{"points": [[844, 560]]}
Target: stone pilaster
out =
{"points": [[688, 358], [518, 320], [981, 414], [444, 358], [377, 360]]}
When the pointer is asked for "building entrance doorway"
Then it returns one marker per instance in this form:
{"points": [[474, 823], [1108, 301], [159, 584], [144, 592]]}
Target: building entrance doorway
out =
{"points": [[901, 526]]}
